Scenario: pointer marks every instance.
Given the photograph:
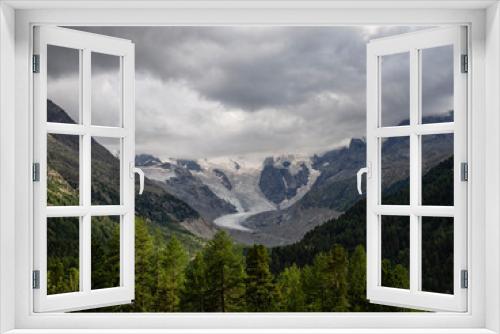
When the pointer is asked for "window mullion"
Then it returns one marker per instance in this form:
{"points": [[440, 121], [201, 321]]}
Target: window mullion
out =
{"points": [[85, 228], [415, 249]]}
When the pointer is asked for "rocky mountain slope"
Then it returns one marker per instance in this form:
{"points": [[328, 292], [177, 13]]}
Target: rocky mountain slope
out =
{"points": [[279, 201], [164, 210]]}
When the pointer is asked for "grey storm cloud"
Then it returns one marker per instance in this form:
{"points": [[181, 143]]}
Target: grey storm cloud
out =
{"points": [[227, 91], [251, 67]]}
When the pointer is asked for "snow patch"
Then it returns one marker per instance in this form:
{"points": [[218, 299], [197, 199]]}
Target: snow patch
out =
{"points": [[158, 173]]}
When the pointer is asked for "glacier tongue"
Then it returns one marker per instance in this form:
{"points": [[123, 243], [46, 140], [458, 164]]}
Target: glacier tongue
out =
{"points": [[245, 193]]}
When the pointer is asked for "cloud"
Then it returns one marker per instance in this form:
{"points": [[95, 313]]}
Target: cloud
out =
{"points": [[227, 91]]}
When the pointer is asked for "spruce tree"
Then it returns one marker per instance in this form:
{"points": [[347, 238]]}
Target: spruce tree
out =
{"points": [[357, 280], [315, 284], [144, 271], [325, 282], [292, 298], [173, 261], [195, 287], [225, 275], [260, 291], [338, 270]]}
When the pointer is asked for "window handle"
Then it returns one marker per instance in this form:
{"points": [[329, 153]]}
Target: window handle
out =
{"points": [[134, 170], [360, 173]]}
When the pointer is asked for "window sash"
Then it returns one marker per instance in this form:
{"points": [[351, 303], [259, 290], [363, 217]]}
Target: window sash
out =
{"points": [[414, 297], [85, 298]]}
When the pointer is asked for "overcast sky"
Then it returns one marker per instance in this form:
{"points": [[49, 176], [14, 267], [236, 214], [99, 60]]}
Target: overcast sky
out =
{"points": [[207, 92]]}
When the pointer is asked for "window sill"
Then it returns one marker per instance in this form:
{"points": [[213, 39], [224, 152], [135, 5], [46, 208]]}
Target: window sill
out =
{"points": [[253, 331]]}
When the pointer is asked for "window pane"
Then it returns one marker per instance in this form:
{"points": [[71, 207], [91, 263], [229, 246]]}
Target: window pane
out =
{"points": [[105, 252], [63, 242], [437, 254], [106, 90], [395, 170], [437, 84], [63, 84], [105, 167], [63, 169], [395, 89], [437, 170], [396, 251]]}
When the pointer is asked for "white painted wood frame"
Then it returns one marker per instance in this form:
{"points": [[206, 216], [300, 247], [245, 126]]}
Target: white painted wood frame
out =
{"points": [[413, 44], [16, 20], [85, 44]]}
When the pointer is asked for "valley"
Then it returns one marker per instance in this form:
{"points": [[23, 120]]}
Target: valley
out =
{"points": [[277, 201], [199, 216]]}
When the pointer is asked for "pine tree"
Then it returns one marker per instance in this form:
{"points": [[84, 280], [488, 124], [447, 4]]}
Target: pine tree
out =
{"points": [[357, 280], [144, 270], [338, 270], [315, 283], [172, 263], [325, 282], [292, 298], [395, 276], [195, 288], [260, 291], [224, 275]]}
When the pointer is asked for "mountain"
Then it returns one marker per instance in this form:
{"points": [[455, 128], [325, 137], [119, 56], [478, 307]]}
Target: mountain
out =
{"points": [[282, 178], [178, 178], [161, 208], [229, 192], [349, 230], [278, 202], [335, 187], [146, 160]]}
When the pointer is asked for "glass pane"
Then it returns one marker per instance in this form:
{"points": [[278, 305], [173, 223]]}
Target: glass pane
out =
{"points": [[437, 170], [63, 244], [437, 84], [105, 252], [63, 84], [437, 254], [396, 251], [63, 169], [106, 90], [395, 171], [395, 89], [106, 153]]}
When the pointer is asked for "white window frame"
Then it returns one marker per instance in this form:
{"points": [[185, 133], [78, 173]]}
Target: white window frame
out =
{"points": [[412, 44], [16, 20], [85, 44]]}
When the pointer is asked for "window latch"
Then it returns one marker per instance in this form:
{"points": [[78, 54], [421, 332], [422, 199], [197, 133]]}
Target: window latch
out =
{"points": [[359, 174], [134, 170]]}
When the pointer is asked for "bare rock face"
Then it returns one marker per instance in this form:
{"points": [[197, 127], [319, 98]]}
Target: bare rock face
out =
{"points": [[179, 179], [281, 178], [199, 227]]}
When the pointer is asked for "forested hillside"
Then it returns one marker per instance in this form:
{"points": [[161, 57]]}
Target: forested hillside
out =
{"points": [[349, 230]]}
